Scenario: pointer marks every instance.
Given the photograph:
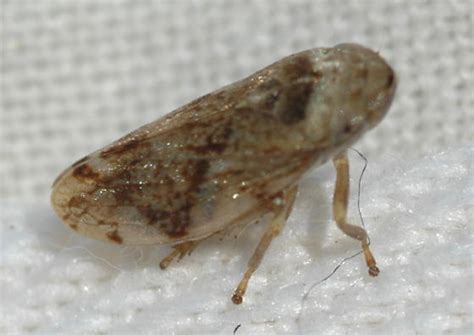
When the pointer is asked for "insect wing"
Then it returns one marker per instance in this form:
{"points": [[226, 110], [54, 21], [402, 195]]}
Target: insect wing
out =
{"points": [[213, 162]]}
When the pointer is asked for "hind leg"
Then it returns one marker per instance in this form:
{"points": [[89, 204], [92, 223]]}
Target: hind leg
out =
{"points": [[180, 250], [185, 248], [282, 212]]}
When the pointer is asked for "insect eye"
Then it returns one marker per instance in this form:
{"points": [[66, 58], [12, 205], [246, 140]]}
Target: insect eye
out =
{"points": [[390, 79], [347, 128]]}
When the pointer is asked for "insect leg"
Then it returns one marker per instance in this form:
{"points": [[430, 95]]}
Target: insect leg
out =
{"points": [[340, 201], [274, 228], [180, 250]]}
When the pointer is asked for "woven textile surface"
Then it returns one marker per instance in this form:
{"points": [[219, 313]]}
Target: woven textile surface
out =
{"points": [[76, 75]]}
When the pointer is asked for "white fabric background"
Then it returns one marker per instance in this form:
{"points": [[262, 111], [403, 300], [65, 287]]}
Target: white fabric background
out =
{"points": [[77, 75]]}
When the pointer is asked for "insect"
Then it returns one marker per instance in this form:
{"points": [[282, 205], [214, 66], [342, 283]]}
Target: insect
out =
{"points": [[232, 156]]}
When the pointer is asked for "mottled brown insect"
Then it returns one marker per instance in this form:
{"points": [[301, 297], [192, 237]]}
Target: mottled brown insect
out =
{"points": [[232, 156]]}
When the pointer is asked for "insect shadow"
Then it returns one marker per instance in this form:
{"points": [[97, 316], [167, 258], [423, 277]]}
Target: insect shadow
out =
{"points": [[42, 223], [313, 208]]}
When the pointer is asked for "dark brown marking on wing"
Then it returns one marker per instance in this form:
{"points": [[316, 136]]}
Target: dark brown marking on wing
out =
{"points": [[80, 161], [198, 175], [126, 194], [216, 142], [180, 219], [73, 226], [76, 206], [356, 94], [292, 103], [300, 66], [85, 171], [105, 223], [114, 236], [153, 215], [75, 202], [298, 78], [122, 183], [285, 93], [318, 75]]}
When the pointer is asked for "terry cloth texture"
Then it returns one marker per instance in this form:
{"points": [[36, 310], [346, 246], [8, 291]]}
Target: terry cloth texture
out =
{"points": [[77, 75]]}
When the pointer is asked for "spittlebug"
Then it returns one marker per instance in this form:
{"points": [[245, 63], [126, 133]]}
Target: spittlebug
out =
{"points": [[232, 156]]}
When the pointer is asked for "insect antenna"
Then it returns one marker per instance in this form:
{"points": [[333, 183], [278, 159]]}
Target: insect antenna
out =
{"points": [[359, 187]]}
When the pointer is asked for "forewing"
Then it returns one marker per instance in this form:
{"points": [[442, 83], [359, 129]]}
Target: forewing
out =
{"points": [[215, 161]]}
